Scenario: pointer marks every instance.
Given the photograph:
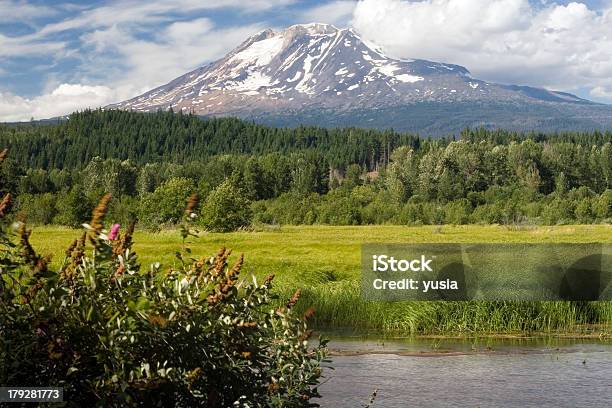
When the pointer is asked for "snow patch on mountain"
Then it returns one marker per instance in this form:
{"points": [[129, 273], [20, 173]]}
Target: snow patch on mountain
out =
{"points": [[319, 66], [260, 53], [408, 78]]}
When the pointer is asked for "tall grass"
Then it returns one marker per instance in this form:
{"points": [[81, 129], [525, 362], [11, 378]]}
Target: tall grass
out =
{"points": [[340, 306]]}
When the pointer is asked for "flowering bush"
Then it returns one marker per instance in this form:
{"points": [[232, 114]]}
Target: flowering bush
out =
{"points": [[112, 334]]}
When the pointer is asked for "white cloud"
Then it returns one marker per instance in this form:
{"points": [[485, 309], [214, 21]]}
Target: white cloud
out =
{"points": [[125, 48], [63, 99], [602, 92], [510, 41], [186, 30], [11, 11], [128, 66], [143, 12], [26, 45], [335, 12], [177, 49]]}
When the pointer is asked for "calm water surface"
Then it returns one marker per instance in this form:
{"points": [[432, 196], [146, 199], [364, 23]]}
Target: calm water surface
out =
{"points": [[469, 373]]}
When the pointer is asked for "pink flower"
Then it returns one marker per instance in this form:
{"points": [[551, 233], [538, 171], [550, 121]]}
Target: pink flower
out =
{"points": [[114, 232]]}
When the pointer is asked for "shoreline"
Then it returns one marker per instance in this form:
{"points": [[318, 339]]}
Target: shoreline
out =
{"points": [[450, 346], [529, 336]]}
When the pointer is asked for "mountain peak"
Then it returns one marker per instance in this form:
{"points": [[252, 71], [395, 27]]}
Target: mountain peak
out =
{"points": [[313, 28], [309, 29], [319, 66]]}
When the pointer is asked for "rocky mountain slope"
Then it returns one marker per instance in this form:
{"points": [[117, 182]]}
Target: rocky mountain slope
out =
{"points": [[319, 74]]}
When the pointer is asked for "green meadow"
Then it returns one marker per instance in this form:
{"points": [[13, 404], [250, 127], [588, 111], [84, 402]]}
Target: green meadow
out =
{"points": [[324, 262]]}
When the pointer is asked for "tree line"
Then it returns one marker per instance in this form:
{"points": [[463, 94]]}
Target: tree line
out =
{"points": [[151, 164], [176, 137]]}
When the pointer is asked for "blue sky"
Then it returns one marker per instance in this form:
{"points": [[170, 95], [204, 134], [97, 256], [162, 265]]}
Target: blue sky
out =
{"points": [[58, 56]]}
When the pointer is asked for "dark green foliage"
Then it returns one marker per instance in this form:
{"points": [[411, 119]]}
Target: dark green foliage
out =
{"points": [[165, 205], [338, 207], [124, 210], [37, 209], [308, 174], [167, 137], [254, 183], [288, 208], [35, 181], [225, 209], [353, 176], [109, 176], [10, 172], [73, 208]]}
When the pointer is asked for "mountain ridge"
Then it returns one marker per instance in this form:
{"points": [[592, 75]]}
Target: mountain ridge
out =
{"points": [[278, 75]]}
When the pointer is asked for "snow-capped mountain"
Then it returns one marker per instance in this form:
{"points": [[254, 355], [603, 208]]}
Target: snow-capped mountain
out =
{"points": [[317, 73]]}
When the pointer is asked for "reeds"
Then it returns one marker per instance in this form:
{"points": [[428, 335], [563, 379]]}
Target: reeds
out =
{"points": [[339, 306]]}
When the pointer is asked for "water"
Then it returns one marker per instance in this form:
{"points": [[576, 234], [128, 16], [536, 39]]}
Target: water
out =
{"points": [[443, 373]]}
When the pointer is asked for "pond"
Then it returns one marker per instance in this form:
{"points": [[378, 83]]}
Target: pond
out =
{"points": [[469, 373]]}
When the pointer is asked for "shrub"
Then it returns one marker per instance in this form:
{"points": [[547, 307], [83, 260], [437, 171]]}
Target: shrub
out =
{"points": [[123, 210], [583, 212], [110, 175], [339, 208], [410, 214], [289, 208], [602, 206], [165, 204], [72, 208], [381, 210], [37, 208], [532, 210], [363, 195], [226, 209], [433, 213], [457, 212], [260, 213], [558, 211], [112, 335], [487, 214]]}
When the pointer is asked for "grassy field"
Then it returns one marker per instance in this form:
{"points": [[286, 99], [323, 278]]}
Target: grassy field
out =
{"points": [[324, 261]]}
